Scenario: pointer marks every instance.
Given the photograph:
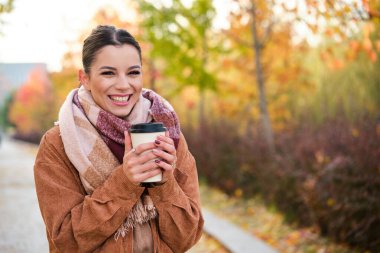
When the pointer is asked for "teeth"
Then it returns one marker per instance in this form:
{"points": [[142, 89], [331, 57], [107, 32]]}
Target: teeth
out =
{"points": [[120, 99]]}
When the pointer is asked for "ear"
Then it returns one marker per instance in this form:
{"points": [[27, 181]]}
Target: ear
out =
{"points": [[84, 79]]}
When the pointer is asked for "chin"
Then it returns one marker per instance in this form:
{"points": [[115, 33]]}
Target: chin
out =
{"points": [[122, 114]]}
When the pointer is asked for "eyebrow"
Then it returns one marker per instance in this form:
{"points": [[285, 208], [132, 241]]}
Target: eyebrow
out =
{"points": [[112, 68]]}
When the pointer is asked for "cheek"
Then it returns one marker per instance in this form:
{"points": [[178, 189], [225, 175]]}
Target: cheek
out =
{"points": [[137, 83], [102, 85]]}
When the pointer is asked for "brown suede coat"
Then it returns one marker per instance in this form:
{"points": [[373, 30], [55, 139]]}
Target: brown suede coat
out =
{"points": [[77, 222]]}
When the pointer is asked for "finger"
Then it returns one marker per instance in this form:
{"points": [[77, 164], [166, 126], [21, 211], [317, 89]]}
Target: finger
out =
{"points": [[146, 157], [164, 155], [144, 147], [148, 174], [141, 173], [166, 139], [127, 141], [142, 168], [168, 147], [164, 165]]}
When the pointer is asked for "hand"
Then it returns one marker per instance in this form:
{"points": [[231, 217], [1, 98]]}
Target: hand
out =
{"points": [[166, 152], [137, 165]]}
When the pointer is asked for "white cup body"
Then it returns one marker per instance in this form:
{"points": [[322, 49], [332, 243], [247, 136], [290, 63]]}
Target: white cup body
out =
{"points": [[140, 138]]}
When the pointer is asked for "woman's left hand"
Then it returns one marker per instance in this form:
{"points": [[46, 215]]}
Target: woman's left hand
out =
{"points": [[166, 152]]}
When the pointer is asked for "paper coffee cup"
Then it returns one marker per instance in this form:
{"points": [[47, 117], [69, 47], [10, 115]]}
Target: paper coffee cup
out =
{"points": [[145, 133]]}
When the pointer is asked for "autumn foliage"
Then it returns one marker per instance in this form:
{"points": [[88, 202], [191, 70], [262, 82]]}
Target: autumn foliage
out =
{"points": [[31, 111]]}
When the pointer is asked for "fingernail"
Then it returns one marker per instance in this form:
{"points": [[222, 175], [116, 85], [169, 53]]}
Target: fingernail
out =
{"points": [[157, 142], [157, 161]]}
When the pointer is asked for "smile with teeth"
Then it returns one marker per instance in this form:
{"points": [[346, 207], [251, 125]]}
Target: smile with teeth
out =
{"points": [[120, 98]]}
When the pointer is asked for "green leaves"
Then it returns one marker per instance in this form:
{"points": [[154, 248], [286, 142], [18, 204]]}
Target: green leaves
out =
{"points": [[179, 36]]}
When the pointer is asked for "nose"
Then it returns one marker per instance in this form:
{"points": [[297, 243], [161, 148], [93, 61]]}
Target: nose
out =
{"points": [[123, 83]]}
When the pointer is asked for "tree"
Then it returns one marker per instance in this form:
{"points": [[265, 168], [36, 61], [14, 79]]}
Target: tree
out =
{"points": [[31, 111], [5, 7], [181, 39], [337, 18]]}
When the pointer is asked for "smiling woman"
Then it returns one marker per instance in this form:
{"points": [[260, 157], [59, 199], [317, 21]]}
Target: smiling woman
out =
{"points": [[89, 180]]}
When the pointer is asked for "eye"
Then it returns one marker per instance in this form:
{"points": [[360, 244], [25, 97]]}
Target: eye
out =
{"points": [[107, 73], [134, 73]]}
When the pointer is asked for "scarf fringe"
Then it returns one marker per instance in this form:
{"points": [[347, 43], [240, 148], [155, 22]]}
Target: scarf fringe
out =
{"points": [[140, 214]]}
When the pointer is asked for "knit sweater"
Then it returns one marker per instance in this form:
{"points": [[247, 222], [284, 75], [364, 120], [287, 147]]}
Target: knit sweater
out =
{"points": [[77, 222]]}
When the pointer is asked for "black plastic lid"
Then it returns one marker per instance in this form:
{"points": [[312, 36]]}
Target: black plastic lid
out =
{"points": [[148, 128]]}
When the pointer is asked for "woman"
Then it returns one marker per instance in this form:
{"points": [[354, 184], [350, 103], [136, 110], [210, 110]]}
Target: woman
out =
{"points": [[88, 177]]}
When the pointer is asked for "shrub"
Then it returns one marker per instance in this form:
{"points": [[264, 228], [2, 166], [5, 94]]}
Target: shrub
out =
{"points": [[326, 174]]}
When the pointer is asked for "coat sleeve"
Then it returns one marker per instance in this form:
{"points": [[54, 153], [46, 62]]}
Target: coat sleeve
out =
{"points": [[75, 221], [180, 220]]}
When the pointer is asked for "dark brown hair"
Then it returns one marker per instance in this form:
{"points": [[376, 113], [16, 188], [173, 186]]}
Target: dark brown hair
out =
{"points": [[101, 36]]}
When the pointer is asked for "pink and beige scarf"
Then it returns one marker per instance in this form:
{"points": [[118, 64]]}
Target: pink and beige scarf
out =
{"points": [[94, 141]]}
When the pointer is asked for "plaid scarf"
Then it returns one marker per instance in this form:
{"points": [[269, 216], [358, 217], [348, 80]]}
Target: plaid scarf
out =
{"points": [[94, 141]]}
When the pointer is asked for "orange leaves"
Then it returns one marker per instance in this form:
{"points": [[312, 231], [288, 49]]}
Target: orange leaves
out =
{"points": [[367, 45], [354, 46], [32, 104], [238, 193], [337, 64], [378, 45], [293, 238], [370, 46]]}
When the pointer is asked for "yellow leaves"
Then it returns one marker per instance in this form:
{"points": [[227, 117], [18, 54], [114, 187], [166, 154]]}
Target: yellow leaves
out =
{"points": [[250, 211], [238, 192], [208, 244], [330, 202], [293, 238], [346, 9], [368, 28]]}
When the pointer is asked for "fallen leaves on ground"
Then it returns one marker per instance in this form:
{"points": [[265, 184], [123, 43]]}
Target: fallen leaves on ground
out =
{"points": [[207, 244], [266, 223]]}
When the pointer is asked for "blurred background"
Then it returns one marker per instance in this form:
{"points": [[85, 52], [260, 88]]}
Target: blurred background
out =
{"points": [[279, 101]]}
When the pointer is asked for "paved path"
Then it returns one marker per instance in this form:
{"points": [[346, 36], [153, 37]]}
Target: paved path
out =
{"points": [[22, 228], [232, 237], [21, 225]]}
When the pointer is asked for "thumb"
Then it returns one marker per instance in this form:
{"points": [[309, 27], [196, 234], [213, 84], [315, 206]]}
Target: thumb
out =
{"points": [[127, 141]]}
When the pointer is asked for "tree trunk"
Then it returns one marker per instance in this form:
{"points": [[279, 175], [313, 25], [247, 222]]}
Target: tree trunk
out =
{"points": [[202, 90], [202, 99], [264, 114]]}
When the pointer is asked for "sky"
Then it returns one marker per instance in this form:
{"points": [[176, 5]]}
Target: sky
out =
{"points": [[40, 30]]}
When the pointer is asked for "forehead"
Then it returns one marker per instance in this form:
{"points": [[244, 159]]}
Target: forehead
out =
{"points": [[120, 55]]}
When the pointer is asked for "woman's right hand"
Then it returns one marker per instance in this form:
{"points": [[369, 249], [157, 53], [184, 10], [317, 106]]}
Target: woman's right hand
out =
{"points": [[139, 165]]}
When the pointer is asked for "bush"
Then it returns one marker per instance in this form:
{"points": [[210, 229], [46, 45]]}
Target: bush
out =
{"points": [[326, 175]]}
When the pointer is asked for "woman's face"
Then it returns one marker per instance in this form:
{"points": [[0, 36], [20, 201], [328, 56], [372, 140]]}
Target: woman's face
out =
{"points": [[115, 79]]}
